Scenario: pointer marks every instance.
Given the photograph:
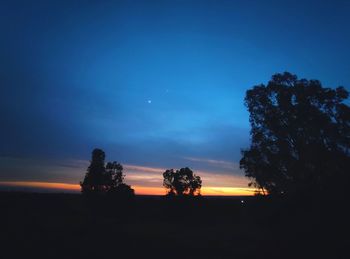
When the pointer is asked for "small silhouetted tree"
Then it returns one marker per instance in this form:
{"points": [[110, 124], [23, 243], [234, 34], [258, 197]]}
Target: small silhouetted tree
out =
{"points": [[300, 134], [114, 172], [182, 182], [101, 178], [116, 177]]}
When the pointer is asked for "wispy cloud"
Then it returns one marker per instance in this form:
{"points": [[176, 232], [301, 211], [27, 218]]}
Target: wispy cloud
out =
{"points": [[219, 163], [152, 176], [144, 169]]}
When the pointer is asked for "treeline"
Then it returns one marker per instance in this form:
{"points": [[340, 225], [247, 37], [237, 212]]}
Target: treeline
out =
{"points": [[102, 178], [300, 144]]}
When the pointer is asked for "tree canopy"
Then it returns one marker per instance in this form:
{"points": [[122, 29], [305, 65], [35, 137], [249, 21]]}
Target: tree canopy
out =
{"points": [[101, 178], [300, 136], [182, 182]]}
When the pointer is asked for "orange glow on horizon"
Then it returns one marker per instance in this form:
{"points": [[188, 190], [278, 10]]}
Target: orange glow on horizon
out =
{"points": [[227, 191], [46, 185], [139, 190]]}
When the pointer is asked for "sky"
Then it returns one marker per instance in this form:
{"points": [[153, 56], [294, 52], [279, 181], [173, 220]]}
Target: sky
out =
{"points": [[155, 84]]}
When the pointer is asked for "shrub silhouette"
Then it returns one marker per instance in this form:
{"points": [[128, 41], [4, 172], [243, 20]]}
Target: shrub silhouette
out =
{"points": [[104, 179], [300, 136], [182, 182]]}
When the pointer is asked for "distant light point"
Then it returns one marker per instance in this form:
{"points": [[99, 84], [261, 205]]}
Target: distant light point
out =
{"points": [[149, 101]]}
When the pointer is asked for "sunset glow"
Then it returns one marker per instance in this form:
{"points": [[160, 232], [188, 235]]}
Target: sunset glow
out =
{"points": [[174, 129], [42, 185], [139, 190]]}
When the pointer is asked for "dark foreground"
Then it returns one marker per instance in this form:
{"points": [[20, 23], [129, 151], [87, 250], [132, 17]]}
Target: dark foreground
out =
{"points": [[71, 226]]}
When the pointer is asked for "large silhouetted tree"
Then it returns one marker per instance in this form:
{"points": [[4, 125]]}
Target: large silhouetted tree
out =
{"points": [[182, 182], [300, 136], [104, 179], [95, 178]]}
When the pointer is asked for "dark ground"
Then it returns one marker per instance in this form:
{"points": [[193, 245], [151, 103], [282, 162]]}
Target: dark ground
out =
{"points": [[72, 226]]}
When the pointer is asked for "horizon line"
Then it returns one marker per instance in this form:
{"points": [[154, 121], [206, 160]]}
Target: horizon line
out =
{"points": [[139, 190]]}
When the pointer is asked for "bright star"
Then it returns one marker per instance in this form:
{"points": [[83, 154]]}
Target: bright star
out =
{"points": [[149, 101]]}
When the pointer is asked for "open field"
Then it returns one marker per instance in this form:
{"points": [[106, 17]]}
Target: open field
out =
{"points": [[71, 226]]}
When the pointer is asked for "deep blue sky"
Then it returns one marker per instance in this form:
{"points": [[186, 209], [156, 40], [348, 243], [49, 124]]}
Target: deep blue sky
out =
{"points": [[153, 83]]}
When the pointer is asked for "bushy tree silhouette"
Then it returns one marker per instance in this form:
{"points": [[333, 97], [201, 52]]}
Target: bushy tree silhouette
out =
{"points": [[114, 172], [182, 182], [104, 179], [300, 136]]}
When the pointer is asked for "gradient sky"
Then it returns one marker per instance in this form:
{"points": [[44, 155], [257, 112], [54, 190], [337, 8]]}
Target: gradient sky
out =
{"points": [[155, 84]]}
